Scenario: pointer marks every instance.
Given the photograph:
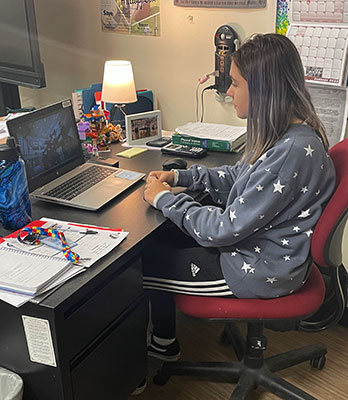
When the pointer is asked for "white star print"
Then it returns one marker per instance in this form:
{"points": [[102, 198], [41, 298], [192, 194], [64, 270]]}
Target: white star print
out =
{"points": [[199, 167], [221, 174], [187, 217], [317, 192], [210, 209], [233, 254], [216, 190], [308, 233], [285, 242], [246, 267], [221, 224], [295, 174], [304, 214], [286, 258], [232, 215], [256, 229], [322, 166], [252, 271], [173, 206], [207, 190], [259, 188], [257, 249], [263, 157], [198, 234], [236, 234], [304, 189], [219, 201], [271, 280], [268, 169], [241, 200], [296, 228], [309, 150], [286, 140], [210, 238], [278, 187], [262, 216], [238, 250]]}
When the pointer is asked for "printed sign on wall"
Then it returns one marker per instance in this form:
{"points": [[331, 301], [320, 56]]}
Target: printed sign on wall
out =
{"points": [[132, 17], [221, 3]]}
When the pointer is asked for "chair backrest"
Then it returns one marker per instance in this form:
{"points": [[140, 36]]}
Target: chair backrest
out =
{"points": [[326, 245]]}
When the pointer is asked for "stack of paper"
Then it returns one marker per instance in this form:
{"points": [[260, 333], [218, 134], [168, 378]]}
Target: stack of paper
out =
{"points": [[218, 137], [29, 271]]}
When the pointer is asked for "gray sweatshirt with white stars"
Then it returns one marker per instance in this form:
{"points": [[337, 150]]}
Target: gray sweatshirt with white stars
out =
{"points": [[264, 215]]}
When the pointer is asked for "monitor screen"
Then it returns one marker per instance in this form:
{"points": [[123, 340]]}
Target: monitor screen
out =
{"points": [[20, 62]]}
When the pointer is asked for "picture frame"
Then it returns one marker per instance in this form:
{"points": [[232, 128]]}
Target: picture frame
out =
{"points": [[143, 127]]}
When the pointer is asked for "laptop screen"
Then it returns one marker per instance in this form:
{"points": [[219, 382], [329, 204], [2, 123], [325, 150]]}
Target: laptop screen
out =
{"points": [[49, 142]]}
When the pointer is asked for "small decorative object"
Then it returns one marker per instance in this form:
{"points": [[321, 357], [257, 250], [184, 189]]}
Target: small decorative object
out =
{"points": [[83, 127]]}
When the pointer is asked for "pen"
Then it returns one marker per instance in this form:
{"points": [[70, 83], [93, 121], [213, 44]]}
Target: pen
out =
{"points": [[83, 232]]}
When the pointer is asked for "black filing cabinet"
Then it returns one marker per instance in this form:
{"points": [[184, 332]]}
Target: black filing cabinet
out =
{"points": [[98, 327]]}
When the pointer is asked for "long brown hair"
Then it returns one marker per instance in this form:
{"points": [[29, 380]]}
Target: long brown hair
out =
{"points": [[272, 67]]}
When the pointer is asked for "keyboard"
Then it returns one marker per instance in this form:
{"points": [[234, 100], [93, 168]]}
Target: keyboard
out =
{"points": [[80, 183]]}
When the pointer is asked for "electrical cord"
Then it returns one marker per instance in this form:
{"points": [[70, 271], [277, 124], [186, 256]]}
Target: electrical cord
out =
{"points": [[211, 87], [202, 80]]}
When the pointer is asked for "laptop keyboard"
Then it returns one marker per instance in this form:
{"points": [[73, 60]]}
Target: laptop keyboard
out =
{"points": [[80, 183]]}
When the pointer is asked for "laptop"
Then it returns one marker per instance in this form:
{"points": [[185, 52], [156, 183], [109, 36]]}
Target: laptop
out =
{"points": [[56, 168]]}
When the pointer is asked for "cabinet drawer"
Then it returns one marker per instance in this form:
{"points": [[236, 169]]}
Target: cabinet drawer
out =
{"points": [[101, 307], [113, 368]]}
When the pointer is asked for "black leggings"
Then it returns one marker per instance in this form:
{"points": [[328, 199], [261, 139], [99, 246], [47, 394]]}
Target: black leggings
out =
{"points": [[175, 263]]}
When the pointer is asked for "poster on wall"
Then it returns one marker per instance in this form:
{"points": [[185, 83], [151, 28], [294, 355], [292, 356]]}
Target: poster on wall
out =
{"points": [[221, 3], [131, 17]]}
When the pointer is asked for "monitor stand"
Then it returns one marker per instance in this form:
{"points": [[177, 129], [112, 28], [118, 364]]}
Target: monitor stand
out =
{"points": [[9, 97]]}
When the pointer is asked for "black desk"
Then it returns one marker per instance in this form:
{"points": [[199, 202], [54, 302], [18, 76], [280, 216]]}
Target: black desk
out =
{"points": [[97, 319]]}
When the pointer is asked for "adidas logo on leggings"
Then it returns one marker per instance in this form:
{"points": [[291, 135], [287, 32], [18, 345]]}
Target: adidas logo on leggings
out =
{"points": [[194, 269]]}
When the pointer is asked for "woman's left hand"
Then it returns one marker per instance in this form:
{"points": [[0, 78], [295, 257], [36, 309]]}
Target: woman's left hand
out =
{"points": [[152, 187]]}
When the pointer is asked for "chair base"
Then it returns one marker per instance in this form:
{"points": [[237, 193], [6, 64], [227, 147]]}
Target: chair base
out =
{"points": [[253, 370]]}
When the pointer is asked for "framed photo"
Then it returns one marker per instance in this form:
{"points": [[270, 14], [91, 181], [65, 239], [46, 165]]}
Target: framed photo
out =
{"points": [[143, 127]]}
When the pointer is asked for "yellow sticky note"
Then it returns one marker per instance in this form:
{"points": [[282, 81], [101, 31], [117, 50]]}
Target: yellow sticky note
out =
{"points": [[130, 153]]}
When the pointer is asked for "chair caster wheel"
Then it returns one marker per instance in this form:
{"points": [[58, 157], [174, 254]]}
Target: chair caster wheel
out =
{"points": [[160, 379], [318, 362]]}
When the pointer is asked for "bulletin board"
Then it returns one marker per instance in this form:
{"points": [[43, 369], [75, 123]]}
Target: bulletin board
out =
{"points": [[221, 3]]}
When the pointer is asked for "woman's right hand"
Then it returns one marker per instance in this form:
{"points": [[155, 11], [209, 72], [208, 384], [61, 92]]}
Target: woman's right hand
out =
{"points": [[162, 176]]}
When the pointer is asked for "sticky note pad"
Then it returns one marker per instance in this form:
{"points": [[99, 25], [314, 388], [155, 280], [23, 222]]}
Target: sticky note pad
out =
{"points": [[130, 153]]}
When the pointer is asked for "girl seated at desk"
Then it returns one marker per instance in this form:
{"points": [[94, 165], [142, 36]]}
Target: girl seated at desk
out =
{"points": [[255, 241]]}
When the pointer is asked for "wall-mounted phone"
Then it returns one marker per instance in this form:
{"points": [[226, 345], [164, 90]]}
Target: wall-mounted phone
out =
{"points": [[226, 42]]}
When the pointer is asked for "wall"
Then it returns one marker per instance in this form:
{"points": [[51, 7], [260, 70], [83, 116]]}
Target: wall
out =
{"points": [[73, 49]]}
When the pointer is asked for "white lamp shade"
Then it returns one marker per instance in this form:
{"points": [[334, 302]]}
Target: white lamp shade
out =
{"points": [[118, 82]]}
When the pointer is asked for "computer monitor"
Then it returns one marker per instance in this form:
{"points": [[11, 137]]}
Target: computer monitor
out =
{"points": [[20, 62]]}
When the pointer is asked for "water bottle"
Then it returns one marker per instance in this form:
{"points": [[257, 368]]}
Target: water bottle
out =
{"points": [[15, 209]]}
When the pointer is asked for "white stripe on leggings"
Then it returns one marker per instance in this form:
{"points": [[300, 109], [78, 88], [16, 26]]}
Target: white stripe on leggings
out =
{"points": [[213, 294], [184, 283], [179, 287]]}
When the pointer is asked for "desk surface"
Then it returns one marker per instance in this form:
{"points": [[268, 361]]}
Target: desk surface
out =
{"points": [[128, 211]]}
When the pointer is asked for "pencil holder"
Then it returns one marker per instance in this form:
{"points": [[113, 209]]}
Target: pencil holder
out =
{"points": [[15, 211]]}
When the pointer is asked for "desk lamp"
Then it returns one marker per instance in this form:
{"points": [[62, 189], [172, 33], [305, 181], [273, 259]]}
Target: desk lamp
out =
{"points": [[118, 85]]}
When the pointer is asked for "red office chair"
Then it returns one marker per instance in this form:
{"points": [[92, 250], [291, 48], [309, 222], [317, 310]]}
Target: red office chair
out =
{"points": [[253, 369]]}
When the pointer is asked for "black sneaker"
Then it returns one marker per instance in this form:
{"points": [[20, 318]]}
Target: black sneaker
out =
{"points": [[165, 353], [140, 388]]}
